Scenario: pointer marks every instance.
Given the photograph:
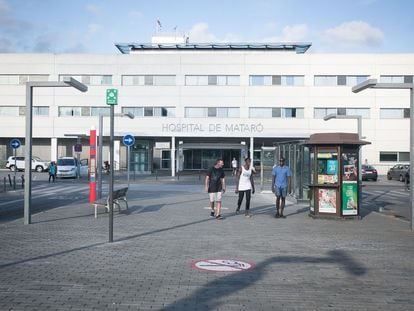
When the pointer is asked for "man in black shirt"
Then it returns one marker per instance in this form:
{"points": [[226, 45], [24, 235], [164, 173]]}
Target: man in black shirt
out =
{"points": [[215, 185]]}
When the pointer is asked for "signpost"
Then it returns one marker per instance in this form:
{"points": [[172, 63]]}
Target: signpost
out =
{"points": [[128, 141], [15, 143], [111, 99]]}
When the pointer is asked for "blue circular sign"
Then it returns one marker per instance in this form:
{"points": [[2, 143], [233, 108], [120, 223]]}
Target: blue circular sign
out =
{"points": [[128, 140], [15, 143]]}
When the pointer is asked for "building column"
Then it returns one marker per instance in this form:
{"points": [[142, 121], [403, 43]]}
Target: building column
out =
{"points": [[117, 146], [173, 156], [53, 149]]}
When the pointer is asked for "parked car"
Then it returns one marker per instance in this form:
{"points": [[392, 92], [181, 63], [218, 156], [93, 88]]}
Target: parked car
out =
{"points": [[37, 164], [398, 172], [68, 167], [369, 172]]}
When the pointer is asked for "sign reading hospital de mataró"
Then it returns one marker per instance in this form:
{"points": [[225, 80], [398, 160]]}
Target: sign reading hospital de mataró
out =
{"points": [[215, 128]]}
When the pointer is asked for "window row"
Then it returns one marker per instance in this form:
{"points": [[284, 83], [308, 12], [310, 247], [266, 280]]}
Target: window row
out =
{"points": [[212, 112], [21, 79], [150, 111], [203, 112], [90, 79], [394, 156], [202, 80], [265, 112], [148, 80], [277, 80], [332, 80]]}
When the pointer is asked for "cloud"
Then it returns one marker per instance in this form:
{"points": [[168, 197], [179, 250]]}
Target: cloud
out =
{"points": [[92, 8], [292, 33], [200, 33], [135, 14], [93, 29], [45, 43], [7, 46], [4, 7], [354, 33]]}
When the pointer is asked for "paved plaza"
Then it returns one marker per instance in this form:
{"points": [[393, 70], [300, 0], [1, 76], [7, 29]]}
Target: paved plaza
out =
{"points": [[63, 261]]}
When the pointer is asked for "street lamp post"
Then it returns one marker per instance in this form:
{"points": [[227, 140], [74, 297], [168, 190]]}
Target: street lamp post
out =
{"points": [[373, 84], [67, 82], [100, 143]]}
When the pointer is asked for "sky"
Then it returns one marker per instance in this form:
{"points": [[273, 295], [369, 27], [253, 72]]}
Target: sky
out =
{"points": [[94, 26]]}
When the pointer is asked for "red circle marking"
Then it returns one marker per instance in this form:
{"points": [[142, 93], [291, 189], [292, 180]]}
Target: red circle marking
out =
{"points": [[222, 265]]}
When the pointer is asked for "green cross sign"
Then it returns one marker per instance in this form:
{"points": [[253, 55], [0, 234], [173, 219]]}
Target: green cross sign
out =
{"points": [[112, 97]]}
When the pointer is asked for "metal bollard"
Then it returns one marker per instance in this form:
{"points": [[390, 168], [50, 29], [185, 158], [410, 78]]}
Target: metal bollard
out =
{"points": [[4, 184], [14, 182], [10, 182]]}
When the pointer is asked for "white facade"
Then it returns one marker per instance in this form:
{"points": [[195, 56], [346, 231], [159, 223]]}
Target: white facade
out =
{"points": [[179, 87]]}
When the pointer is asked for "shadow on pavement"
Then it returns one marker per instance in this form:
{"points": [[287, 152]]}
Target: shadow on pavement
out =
{"points": [[208, 296]]}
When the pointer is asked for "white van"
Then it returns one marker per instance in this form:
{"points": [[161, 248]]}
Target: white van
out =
{"points": [[68, 167]]}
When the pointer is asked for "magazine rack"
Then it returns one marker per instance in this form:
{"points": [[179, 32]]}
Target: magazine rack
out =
{"points": [[334, 190]]}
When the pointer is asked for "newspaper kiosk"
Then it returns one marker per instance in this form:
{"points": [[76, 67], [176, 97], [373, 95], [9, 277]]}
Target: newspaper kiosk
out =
{"points": [[334, 183]]}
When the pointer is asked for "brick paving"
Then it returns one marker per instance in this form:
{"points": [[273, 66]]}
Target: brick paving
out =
{"points": [[63, 261]]}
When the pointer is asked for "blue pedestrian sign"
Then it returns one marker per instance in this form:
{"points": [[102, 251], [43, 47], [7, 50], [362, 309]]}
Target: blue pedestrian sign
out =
{"points": [[128, 140], [15, 143]]}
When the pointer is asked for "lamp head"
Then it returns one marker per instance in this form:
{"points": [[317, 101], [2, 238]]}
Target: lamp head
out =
{"points": [[76, 84], [370, 83], [129, 115], [329, 116]]}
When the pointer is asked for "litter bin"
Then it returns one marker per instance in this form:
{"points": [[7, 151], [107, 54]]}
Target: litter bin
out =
{"points": [[334, 189]]}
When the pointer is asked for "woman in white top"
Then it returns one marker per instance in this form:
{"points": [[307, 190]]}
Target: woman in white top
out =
{"points": [[244, 184]]}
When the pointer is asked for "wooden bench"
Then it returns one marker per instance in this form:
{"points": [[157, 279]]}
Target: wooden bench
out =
{"points": [[118, 195]]}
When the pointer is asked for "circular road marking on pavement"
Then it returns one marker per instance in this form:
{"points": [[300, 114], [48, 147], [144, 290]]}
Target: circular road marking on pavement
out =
{"points": [[222, 265]]}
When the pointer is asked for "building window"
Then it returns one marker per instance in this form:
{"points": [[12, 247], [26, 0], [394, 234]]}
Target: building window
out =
{"points": [[96, 111], [21, 79], [70, 111], [339, 80], [9, 79], [283, 80], [150, 111], [394, 156], [394, 113], [320, 113], [264, 113], [90, 79], [32, 78], [140, 80], [212, 112], [396, 79], [9, 111], [40, 111], [196, 80]]}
